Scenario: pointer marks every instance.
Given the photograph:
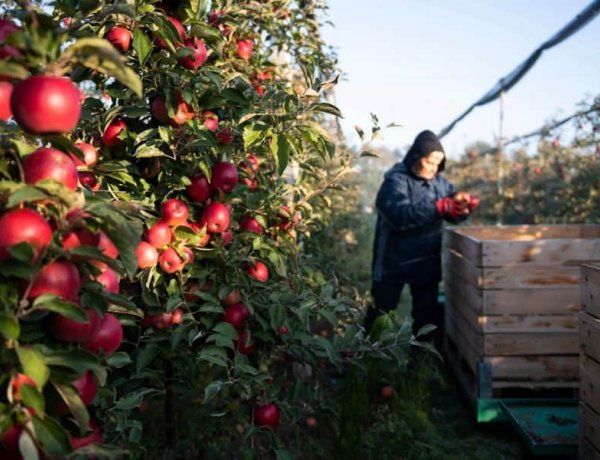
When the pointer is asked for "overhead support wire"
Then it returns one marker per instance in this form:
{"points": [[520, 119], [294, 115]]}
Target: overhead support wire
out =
{"points": [[507, 82]]}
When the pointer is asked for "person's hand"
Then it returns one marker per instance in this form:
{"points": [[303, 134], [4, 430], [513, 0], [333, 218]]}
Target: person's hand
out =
{"points": [[452, 208], [471, 201]]}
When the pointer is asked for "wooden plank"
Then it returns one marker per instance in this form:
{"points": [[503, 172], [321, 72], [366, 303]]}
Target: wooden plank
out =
{"points": [[465, 245], [589, 423], [464, 348], [589, 332], [555, 252], [531, 344], [560, 300], [589, 390], [523, 232], [590, 289], [511, 324], [534, 277], [535, 368], [590, 230], [587, 451]]}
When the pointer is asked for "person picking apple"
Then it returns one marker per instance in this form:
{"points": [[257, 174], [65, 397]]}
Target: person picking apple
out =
{"points": [[412, 204]]}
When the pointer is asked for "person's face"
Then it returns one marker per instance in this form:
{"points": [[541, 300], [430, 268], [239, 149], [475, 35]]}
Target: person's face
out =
{"points": [[427, 167]]}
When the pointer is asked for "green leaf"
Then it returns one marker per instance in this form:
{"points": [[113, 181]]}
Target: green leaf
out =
{"points": [[51, 436], [369, 153], [211, 390], [132, 400], [32, 397], [51, 302], [278, 316], [119, 359], [78, 360], [213, 354], [255, 133], [147, 151], [145, 357], [73, 401], [18, 269], [142, 45], [26, 194], [98, 54], [9, 327], [27, 446], [325, 107], [280, 148], [10, 70], [34, 365]]}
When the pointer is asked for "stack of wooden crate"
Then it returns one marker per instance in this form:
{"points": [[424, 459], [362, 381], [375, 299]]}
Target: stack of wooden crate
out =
{"points": [[512, 302], [589, 328]]}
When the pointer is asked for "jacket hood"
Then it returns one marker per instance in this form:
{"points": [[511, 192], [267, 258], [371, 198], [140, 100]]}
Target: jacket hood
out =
{"points": [[425, 143]]}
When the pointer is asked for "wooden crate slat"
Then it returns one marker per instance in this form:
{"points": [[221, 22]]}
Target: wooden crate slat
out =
{"points": [[463, 244], [534, 301], [466, 350], [589, 391], [589, 330], [589, 422], [510, 324], [560, 251], [536, 368], [521, 232], [531, 344], [590, 289]]}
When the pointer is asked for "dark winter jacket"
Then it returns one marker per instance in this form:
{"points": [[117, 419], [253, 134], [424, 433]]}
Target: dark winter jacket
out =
{"points": [[408, 237]]}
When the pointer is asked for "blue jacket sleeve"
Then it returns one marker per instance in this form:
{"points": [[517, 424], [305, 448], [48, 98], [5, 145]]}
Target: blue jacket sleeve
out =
{"points": [[394, 205]]}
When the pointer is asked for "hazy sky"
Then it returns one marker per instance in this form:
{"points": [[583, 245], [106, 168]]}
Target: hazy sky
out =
{"points": [[421, 63]]}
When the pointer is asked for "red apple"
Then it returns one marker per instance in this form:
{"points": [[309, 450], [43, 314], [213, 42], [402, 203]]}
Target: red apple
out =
{"points": [[387, 391], [282, 330], [177, 317], [147, 255], [174, 212], [89, 180], [79, 237], [48, 163], [199, 190], [236, 315], [24, 226], [250, 224], [9, 443], [225, 136], [216, 217], [183, 111], [110, 138], [267, 415], [106, 245], [6, 89], [232, 298], [284, 214], [159, 234], [170, 262], [19, 380], [198, 56], [188, 256], [110, 280], [311, 422], [90, 155], [87, 387], [70, 330], [258, 271], [224, 176], [211, 120], [108, 336], [244, 343], [94, 438], [120, 37], [45, 104], [7, 28], [244, 48], [162, 321], [60, 278], [162, 44], [226, 237]]}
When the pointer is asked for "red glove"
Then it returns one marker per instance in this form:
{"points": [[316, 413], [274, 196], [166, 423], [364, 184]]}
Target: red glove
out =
{"points": [[449, 207]]}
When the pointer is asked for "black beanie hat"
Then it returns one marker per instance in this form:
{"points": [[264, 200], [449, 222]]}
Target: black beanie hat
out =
{"points": [[425, 143]]}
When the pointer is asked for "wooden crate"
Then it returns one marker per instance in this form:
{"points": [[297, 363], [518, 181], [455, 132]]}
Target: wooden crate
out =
{"points": [[513, 297], [589, 332]]}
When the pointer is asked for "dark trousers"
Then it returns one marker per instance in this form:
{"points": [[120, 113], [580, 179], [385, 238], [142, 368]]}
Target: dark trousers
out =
{"points": [[425, 308]]}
